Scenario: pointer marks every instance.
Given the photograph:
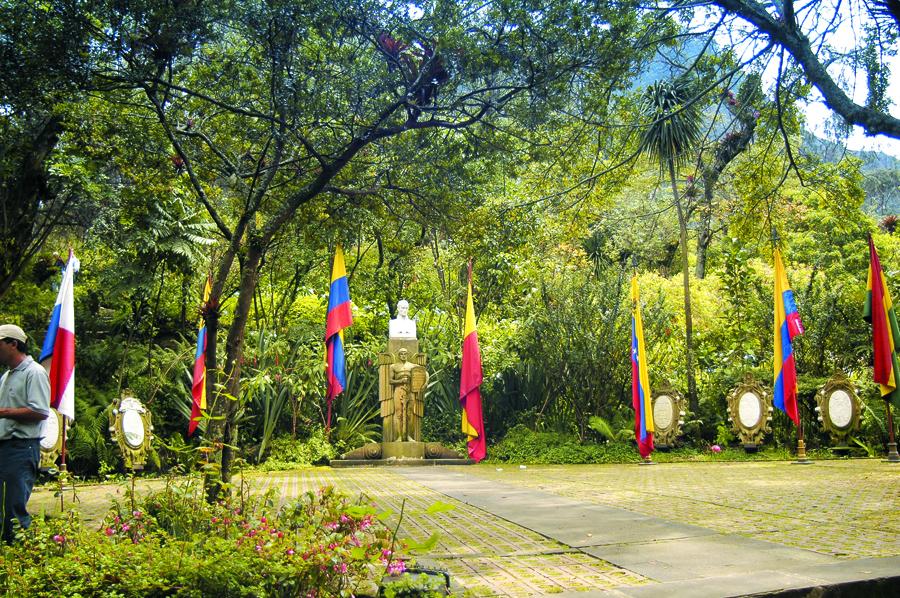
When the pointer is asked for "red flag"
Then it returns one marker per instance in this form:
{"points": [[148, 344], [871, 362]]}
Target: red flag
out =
{"points": [[879, 310], [470, 383]]}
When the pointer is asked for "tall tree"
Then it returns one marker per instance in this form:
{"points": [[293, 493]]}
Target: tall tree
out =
{"points": [[44, 50], [670, 138], [282, 111]]}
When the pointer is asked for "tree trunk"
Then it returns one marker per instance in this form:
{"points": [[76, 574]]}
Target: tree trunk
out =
{"points": [[704, 234], [685, 271], [211, 316], [234, 351]]}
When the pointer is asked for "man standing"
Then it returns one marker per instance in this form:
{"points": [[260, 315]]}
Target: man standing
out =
{"points": [[24, 403]]}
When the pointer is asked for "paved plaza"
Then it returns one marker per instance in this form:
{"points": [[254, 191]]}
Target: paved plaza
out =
{"points": [[679, 529]]}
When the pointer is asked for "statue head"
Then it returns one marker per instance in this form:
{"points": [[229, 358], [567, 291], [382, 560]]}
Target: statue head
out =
{"points": [[403, 309], [402, 354]]}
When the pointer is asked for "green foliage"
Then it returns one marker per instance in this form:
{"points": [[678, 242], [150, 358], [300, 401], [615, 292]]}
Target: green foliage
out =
{"points": [[408, 584], [175, 544], [521, 445], [674, 126], [288, 453]]}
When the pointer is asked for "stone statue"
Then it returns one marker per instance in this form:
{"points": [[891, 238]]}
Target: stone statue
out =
{"points": [[402, 326], [402, 409], [402, 380]]}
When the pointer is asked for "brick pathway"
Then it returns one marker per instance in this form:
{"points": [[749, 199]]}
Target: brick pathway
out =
{"points": [[484, 554], [847, 509]]}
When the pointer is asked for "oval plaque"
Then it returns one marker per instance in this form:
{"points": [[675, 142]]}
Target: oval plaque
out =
{"points": [[133, 428], [663, 411], [840, 408], [749, 410], [50, 432]]}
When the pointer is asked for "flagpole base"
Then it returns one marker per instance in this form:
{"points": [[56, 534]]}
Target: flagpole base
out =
{"points": [[892, 455], [801, 454]]}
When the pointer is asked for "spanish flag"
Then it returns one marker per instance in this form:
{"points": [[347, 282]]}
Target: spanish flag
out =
{"points": [[787, 326], [640, 381], [470, 383], [879, 311], [198, 386], [339, 317]]}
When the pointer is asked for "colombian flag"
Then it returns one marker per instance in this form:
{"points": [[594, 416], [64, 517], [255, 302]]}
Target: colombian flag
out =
{"points": [[787, 326], [470, 383], [640, 383], [339, 317], [59, 344], [198, 386], [879, 311]]}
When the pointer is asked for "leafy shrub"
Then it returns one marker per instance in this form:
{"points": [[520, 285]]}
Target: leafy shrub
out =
{"points": [[287, 453], [521, 445], [174, 544]]}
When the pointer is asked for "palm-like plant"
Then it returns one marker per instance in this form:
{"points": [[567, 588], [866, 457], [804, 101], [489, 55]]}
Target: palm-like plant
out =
{"points": [[670, 138]]}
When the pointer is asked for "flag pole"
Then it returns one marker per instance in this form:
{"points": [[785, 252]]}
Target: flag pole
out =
{"points": [[892, 455], [801, 443], [648, 460]]}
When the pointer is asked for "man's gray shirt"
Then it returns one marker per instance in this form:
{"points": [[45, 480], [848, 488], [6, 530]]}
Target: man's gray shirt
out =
{"points": [[26, 385]]}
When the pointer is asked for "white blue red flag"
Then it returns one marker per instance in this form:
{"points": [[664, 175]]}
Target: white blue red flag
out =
{"points": [[59, 344]]}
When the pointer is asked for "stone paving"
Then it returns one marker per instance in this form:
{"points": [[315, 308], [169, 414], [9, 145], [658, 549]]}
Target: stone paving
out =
{"points": [[847, 509], [484, 554]]}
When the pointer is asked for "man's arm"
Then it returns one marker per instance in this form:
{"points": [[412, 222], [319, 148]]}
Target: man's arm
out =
{"points": [[22, 414]]}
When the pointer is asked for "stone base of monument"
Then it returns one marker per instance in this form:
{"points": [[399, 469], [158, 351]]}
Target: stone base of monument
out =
{"points": [[401, 453]]}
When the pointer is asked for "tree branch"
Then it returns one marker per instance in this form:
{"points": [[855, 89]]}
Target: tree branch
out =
{"points": [[874, 122]]}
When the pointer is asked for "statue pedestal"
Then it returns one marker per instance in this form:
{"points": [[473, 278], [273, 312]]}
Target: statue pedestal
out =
{"points": [[402, 450], [401, 453]]}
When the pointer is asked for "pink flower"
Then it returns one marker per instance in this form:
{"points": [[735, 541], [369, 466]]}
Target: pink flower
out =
{"points": [[289, 552], [136, 514], [126, 527], [280, 534], [345, 519], [59, 539], [396, 568], [109, 531], [341, 567], [262, 519], [716, 448]]}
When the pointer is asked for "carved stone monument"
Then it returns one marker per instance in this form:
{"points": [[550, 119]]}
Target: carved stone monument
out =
{"points": [[750, 411], [839, 410], [131, 428], [51, 440], [668, 416], [402, 382]]}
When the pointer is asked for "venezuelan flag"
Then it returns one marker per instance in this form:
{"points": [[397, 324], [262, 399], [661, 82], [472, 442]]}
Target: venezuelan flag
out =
{"points": [[640, 382], [198, 385], [59, 343], [470, 383], [879, 311], [339, 317], [787, 326]]}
